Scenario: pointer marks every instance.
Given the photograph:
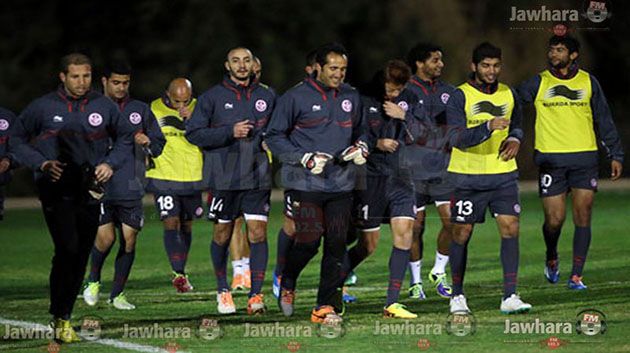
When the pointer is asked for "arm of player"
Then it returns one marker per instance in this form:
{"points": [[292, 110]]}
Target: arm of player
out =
{"points": [[26, 127], [277, 136], [122, 134], [153, 131], [606, 128], [510, 146], [199, 130], [459, 135], [527, 90]]}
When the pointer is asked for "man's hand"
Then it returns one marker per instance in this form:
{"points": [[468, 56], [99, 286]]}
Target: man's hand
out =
{"points": [[184, 113], [315, 162], [616, 169], [498, 124], [141, 139], [53, 168], [387, 145], [356, 153], [393, 110], [242, 128], [5, 163], [509, 149], [103, 172]]}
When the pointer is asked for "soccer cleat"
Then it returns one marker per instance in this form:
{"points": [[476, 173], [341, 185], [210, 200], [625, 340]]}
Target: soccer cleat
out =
{"points": [[416, 292], [120, 302], [351, 280], [181, 283], [238, 282], [276, 285], [285, 302], [64, 333], [256, 305], [90, 293], [458, 304], [326, 315], [398, 311], [225, 303], [248, 279], [575, 283], [552, 271], [514, 305], [442, 288]]}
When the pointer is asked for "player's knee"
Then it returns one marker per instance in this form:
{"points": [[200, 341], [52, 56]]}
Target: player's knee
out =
{"points": [[256, 234], [461, 233], [222, 233], [288, 226], [171, 223]]}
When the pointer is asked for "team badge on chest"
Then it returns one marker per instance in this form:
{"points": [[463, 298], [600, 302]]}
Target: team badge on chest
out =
{"points": [[135, 118], [95, 119], [346, 105], [261, 105]]}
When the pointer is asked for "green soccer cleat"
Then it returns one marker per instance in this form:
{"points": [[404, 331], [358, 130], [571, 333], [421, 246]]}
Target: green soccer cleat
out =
{"points": [[120, 302], [90, 293]]}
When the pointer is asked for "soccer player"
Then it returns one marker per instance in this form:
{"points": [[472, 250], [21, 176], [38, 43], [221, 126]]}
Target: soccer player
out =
{"points": [[315, 132], [485, 119], [64, 137], [286, 233], [571, 116], [176, 180], [388, 193], [228, 124], [428, 159], [7, 161], [122, 204]]}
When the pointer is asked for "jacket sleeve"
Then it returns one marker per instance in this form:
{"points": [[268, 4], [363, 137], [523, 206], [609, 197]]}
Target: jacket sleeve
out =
{"points": [[458, 134], [199, 129], [282, 122], [516, 120], [359, 123], [26, 127], [122, 136], [153, 131], [604, 124], [526, 92]]}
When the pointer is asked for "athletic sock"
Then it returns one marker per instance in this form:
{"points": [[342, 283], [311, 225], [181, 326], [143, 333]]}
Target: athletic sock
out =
{"points": [[458, 254], [259, 253], [509, 260], [581, 243], [176, 250], [284, 245], [245, 262], [440, 263], [187, 239], [237, 268], [551, 241], [97, 259], [124, 261], [219, 254], [414, 270], [397, 265]]}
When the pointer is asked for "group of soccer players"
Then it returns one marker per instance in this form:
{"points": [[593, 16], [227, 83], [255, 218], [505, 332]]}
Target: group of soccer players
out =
{"points": [[351, 160]]}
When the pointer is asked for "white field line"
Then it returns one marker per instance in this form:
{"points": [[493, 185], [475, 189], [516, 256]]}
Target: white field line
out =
{"points": [[105, 342]]}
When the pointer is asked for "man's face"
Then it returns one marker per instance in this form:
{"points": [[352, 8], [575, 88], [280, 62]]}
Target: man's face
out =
{"points": [[487, 70], [116, 86], [77, 80], [432, 67], [559, 56], [392, 90], [333, 72], [240, 64], [179, 98], [257, 69]]}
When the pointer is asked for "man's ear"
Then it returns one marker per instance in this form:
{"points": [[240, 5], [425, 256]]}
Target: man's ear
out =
{"points": [[62, 77], [574, 55], [473, 67]]}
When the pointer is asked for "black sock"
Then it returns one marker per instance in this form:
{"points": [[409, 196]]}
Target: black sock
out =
{"points": [[124, 260], [509, 260], [458, 254], [285, 242], [258, 257], [176, 250], [551, 241], [581, 243], [297, 258], [98, 258], [397, 265], [219, 255]]}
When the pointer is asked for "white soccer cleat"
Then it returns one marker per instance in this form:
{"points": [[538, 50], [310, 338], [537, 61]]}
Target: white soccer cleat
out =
{"points": [[514, 305], [225, 303], [120, 302], [90, 293], [458, 305]]}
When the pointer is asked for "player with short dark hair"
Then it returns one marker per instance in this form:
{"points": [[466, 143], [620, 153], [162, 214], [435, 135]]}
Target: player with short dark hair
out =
{"points": [[176, 177], [64, 137], [387, 196], [316, 132], [572, 115], [229, 124], [428, 159], [484, 118], [122, 204]]}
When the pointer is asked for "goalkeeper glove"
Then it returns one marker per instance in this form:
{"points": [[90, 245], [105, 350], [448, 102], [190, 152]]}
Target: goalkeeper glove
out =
{"points": [[356, 153], [315, 162]]}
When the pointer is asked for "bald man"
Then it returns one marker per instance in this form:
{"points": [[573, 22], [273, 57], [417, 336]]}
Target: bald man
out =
{"points": [[229, 125], [175, 181]]}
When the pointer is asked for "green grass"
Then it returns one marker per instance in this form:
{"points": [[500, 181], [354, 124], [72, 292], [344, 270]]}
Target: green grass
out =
{"points": [[26, 250]]}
